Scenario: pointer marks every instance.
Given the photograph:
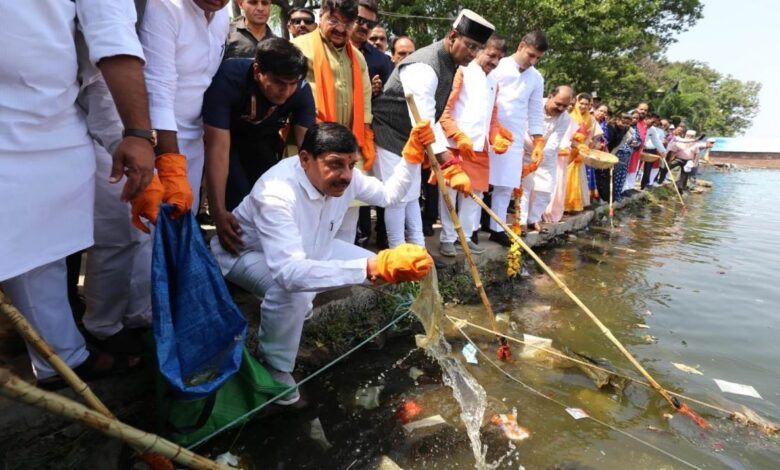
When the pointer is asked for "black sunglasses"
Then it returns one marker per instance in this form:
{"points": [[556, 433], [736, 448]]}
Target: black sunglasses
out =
{"points": [[368, 23], [305, 21]]}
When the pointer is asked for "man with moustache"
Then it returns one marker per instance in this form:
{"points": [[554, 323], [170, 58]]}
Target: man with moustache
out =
{"points": [[470, 123], [378, 37], [247, 104], [301, 21], [427, 74], [402, 46], [539, 186], [338, 75], [246, 31], [289, 222], [520, 110]]}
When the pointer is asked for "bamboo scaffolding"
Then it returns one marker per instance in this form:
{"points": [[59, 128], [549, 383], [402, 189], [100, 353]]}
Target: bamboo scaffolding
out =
{"points": [[13, 387], [658, 388], [503, 344], [674, 182], [33, 338]]}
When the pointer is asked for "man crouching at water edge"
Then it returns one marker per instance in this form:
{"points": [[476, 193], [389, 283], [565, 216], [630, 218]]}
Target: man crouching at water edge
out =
{"points": [[288, 224]]}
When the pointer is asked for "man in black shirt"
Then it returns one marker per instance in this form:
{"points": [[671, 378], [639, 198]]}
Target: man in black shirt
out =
{"points": [[247, 30], [248, 103]]}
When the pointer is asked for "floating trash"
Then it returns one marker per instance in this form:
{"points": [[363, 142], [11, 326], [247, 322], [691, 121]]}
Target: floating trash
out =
{"points": [[415, 373], [317, 434], [408, 410], [649, 339], [368, 397], [424, 423], [643, 326], [577, 413], [533, 346], [470, 353], [737, 389], [228, 459], [688, 369], [508, 424]]}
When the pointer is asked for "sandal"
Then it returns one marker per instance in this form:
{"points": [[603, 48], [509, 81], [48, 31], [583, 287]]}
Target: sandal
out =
{"points": [[98, 365], [537, 227]]}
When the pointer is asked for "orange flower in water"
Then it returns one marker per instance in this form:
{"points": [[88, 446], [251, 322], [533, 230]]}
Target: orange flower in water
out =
{"points": [[408, 410], [701, 422]]}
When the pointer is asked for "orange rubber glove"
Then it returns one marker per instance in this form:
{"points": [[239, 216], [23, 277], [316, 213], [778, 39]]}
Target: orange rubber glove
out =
{"points": [[172, 170], [147, 204], [368, 150], [406, 262], [578, 137], [465, 146], [421, 135], [537, 154], [457, 179], [517, 193], [564, 153], [502, 141]]}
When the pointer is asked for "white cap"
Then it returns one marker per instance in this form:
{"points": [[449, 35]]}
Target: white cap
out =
{"points": [[690, 133]]}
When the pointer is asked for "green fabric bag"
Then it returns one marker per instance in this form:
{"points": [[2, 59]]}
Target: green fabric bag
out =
{"points": [[187, 421]]}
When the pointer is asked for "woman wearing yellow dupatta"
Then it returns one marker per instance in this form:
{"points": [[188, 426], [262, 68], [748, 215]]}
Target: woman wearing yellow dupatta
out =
{"points": [[577, 193]]}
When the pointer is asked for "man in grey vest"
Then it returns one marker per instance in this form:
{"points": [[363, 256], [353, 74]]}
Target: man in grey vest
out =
{"points": [[427, 74]]}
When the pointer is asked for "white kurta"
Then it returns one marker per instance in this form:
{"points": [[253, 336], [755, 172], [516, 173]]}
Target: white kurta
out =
{"points": [[556, 131], [47, 163], [473, 110], [520, 110]]}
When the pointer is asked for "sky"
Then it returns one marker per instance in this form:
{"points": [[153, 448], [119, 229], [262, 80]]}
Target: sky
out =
{"points": [[741, 39]]}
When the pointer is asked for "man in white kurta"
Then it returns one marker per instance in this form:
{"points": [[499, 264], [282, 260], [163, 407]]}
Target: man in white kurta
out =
{"points": [[520, 110], [539, 185], [183, 41], [47, 160], [289, 223]]}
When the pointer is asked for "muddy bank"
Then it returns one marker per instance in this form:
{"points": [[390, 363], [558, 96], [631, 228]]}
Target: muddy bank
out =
{"points": [[30, 439]]}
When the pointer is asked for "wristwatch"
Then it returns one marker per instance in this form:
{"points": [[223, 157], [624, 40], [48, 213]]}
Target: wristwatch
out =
{"points": [[148, 134]]}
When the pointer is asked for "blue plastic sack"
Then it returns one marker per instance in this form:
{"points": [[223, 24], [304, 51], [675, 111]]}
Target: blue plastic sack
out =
{"points": [[198, 330]]}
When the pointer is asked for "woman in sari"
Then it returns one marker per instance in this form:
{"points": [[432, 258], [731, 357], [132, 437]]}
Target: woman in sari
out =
{"points": [[577, 189]]}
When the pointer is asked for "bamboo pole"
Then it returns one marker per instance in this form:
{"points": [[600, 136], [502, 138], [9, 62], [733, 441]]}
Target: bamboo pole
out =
{"points": [[504, 345], [658, 388], [674, 182], [33, 338], [611, 192], [13, 387]]}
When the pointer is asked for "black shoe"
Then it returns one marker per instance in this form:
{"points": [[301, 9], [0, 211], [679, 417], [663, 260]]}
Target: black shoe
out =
{"points": [[501, 238], [475, 238], [427, 230]]}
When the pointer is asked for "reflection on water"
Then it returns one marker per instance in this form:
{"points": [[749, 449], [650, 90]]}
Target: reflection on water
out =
{"points": [[704, 282]]}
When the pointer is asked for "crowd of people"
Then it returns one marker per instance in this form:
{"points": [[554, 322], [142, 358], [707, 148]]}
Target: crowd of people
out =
{"points": [[297, 145]]}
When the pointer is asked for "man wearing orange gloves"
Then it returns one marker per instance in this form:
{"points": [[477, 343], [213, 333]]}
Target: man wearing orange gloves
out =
{"points": [[471, 124], [289, 223], [427, 74], [520, 110], [183, 43]]}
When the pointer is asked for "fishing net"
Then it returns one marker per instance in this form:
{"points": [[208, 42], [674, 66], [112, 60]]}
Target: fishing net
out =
{"points": [[429, 310]]}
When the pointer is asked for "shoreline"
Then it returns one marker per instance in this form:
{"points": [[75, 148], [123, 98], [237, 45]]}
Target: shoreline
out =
{"points": [[747, 162]]}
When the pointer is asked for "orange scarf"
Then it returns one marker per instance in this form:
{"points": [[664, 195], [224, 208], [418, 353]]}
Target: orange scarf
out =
{"points": [[325, 96]]}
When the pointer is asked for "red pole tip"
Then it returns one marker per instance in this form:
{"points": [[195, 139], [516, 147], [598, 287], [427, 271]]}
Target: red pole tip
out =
{"points": [[504, 353], [701, 422]]}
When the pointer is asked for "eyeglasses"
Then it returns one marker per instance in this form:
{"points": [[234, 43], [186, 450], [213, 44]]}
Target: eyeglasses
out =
{"points": [[333, 22], [305, 21], [367, 23], [472, 46]]}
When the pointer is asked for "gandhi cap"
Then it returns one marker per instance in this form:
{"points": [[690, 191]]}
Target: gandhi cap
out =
{"points": [[473, 26]]}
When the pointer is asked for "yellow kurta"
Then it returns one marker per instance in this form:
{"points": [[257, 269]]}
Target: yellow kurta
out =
{"points": [[342, 76]]}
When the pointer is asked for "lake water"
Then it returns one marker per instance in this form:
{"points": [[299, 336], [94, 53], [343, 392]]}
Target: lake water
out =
{"points": [[705, 284]]}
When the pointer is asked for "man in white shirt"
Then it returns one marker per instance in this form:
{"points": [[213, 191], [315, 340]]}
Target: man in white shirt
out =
{"points": [[289, 223], [520, 110], [427, 74], [654, 143], [539, 185], [183, 42], [47, 160]]}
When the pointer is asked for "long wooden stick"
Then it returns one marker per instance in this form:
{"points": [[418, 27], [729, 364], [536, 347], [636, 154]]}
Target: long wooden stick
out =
{"points": [[611, 191], [674, 181], [13, 387], [662, 391], [32, 337], [456, 222]]}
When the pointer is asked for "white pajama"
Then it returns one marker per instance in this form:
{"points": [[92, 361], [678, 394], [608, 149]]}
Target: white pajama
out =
{"points": [[403, 220], [468, 213], [41, 294], [194, 150], [499, 203]]}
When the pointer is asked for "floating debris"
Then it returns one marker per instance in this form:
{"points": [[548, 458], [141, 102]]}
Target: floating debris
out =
{"points": [[533, 345], [408, 410], [317, 434], [415, 373], [228, 459], [470, 353], [424, 423], [649, 339], [737, 389], [577, 413], [368, 397], [643, 326], [688, 369], [508, 424]]}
